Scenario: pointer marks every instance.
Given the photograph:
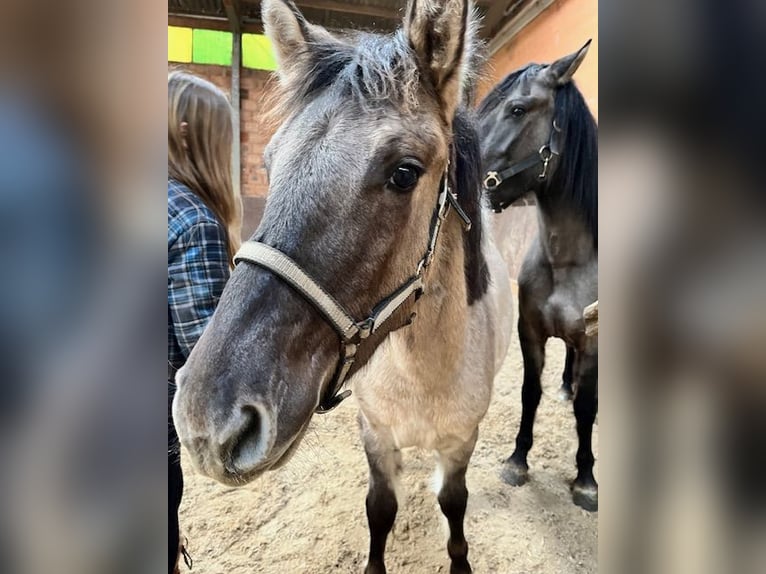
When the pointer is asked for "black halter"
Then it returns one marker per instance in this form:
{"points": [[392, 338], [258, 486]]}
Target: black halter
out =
{"points": [[493, 179]]}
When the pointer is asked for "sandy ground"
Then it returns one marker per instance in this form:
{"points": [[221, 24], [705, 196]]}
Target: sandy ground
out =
{"points": [[309, 517]]}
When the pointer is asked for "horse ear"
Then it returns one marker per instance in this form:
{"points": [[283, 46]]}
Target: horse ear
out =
{"points": [[561, 71], [441, 34], [291, 35]]}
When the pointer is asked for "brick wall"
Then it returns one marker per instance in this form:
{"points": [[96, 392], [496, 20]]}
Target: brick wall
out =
{"points": [[254, 132]]}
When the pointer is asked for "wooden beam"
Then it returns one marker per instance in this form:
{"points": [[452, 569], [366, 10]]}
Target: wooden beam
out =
{"points": [[360, 9], [212, 23], [236, 158], [493, 17], [234, 14], [516, 24]]}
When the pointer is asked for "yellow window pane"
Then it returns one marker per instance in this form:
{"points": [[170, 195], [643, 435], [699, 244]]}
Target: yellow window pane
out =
{"points": [[257, 52], [179, 44]]}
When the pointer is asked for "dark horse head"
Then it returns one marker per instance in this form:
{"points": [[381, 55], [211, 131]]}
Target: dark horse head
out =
{"points": [[355, 171], [535, 113]]}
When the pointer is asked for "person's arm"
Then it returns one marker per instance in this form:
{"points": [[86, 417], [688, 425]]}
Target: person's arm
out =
{"points": [[198, 268]]}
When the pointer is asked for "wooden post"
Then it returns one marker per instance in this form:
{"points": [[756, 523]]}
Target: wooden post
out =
{"points": [[236, 59], [590, 314]]}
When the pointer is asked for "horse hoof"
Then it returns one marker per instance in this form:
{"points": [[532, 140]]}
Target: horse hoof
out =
{"points": [[565, 393], [586, 497], [462, 567], [514, 473], [375, 568]]}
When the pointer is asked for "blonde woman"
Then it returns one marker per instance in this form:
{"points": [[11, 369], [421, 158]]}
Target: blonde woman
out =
{"points": [[203, 234]]}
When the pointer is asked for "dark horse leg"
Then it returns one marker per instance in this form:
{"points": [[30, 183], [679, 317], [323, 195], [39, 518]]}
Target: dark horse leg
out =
{"points": [[453, 498], [585, 489], [385, 463], [565, 393], [515, 469], [175, 487]]}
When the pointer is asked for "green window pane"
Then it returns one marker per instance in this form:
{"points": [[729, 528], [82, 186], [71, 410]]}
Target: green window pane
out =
{"points": [[257, 52], [211, 47]]}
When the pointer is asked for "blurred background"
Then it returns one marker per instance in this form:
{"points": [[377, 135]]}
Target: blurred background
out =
{"points": [[683, 296]]}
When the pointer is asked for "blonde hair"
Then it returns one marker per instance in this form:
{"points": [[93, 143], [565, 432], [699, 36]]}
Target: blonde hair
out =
{"points": [[200, 156]]}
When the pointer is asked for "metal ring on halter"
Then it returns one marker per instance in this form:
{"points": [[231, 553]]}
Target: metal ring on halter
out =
{"points": [[492, 181], [545, 156]]}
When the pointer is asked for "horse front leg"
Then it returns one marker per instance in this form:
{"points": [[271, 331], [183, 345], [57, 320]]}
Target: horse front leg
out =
{"points": [[385, 462], [453, 499], [515, 469], [585, 488]]}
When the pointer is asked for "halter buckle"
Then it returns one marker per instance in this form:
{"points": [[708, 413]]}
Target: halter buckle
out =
{"points": [[545, 156], [492, 181], [365, 328]]}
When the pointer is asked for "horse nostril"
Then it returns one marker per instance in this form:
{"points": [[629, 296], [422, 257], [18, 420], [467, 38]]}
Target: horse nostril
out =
{"points": [[250, 438]]}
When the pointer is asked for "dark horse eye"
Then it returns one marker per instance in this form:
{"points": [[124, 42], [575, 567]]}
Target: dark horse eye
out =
{"points": [[518, 111], [405, 177]]}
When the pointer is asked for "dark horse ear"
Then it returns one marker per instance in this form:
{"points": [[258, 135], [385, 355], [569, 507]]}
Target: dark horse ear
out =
{"points": [[561, 71], [441, 34], [292, 37]]}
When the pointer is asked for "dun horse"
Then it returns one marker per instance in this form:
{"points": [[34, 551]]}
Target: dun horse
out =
{"points": [[372, 260], [539, 136]]}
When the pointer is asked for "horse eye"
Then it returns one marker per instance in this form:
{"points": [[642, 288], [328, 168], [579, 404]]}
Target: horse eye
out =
{"points": [[404, 177], [518, 111]]}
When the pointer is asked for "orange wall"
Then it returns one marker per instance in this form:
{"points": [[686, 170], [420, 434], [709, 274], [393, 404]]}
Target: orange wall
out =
{"points": [[561, 29]]}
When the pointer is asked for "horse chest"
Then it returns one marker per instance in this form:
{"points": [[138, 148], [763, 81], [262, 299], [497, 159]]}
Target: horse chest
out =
{"points": [[572, 289], [419, 410]]}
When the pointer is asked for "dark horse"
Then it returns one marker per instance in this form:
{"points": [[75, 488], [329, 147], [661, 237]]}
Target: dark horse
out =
{"points": [[539, 136]]}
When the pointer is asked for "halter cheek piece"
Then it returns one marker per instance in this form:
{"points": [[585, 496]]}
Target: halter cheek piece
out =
{"points": [[351, 332], [493, 179]]}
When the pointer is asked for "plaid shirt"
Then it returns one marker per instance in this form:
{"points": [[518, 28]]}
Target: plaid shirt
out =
{"points": [[198, 267]]}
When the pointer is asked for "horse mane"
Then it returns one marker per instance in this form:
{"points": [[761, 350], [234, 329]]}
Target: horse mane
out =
{"points": [[466, 181], [576, 178]]}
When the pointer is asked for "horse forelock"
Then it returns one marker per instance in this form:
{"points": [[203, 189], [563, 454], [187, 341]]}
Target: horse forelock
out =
{"points": [[373, 69], [501, 90]]}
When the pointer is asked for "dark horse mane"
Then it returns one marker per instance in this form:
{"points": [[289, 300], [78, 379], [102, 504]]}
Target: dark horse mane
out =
{"points": [[382, 68], [575, 180], [467, 181], [576, 177]]}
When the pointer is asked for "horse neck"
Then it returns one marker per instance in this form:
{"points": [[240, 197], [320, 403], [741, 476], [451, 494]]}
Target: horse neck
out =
{"points": [[563, 229], [442, 310]]}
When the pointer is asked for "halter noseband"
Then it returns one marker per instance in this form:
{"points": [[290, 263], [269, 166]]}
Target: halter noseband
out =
{"points": [[493, 179], [351, 332]]}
